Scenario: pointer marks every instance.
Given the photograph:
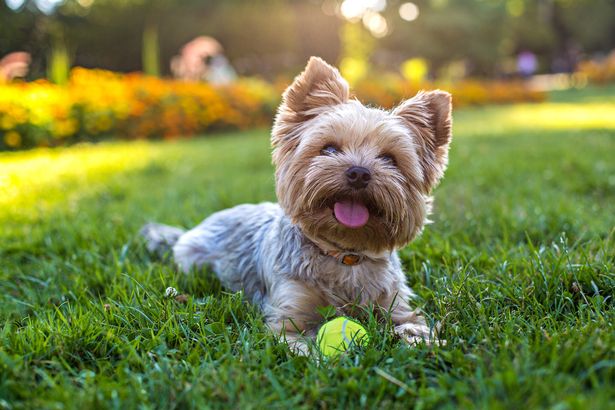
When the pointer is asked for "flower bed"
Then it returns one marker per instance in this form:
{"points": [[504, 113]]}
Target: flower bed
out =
{"points": [[98, 104], [599, 71], [388, 91]]}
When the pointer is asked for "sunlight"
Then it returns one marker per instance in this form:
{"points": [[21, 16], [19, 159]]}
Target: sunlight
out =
{"points": [[408, 11], [535, 117], [63, 175]]}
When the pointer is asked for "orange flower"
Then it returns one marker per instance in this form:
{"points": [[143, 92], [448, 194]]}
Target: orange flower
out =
{"points": [[100, 104]]}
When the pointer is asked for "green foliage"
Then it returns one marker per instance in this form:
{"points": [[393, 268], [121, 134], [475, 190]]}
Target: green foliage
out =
{"points": [[276, 36], [357, 48], [59, 62], [518, 267], [151, 51]]}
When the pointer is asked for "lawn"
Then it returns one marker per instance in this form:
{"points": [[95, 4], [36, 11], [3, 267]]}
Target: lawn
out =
{"points": [[518, 266]]}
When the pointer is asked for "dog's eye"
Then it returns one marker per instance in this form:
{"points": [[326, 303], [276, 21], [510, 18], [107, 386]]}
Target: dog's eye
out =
{"points": [[329, 150], [388, 159]]}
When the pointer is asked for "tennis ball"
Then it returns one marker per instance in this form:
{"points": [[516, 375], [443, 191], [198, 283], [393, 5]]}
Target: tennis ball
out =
{"points": [[338, 335]]}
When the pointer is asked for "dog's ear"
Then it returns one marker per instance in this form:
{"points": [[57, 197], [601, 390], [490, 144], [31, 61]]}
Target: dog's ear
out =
{"points": [[318, 87], [428, 117]]}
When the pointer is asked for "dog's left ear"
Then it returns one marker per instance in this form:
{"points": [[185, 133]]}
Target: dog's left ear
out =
{"points": [[428, 116]]}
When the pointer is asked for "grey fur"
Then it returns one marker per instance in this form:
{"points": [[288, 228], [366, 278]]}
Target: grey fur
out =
{"points": [[160, 238], [256, 248], [288, 259]]}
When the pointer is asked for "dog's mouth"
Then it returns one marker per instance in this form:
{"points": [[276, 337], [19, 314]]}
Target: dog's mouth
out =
{"points": [[351, 213]]}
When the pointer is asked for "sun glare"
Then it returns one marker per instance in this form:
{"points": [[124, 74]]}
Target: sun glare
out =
{"points": [[408, 11], [376, 24], [24, 177], [367, 11]]}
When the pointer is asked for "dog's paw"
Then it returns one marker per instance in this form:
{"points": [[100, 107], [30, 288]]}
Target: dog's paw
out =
{"points": [[297, 344], [415, 333]]}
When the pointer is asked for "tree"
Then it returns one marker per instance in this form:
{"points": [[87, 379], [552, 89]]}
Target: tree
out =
{"points": [[270, 37]]}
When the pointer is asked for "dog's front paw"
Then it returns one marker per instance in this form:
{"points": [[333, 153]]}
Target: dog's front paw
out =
{"points": [[415, 333], [297, 344]]}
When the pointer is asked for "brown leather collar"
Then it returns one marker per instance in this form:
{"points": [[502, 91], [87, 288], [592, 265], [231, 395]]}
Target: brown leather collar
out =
{"points": [[344, 257]]}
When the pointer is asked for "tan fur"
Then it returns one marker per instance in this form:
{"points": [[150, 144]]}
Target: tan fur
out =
{"points": [[428, 115], [317, 87], [316, 112]]}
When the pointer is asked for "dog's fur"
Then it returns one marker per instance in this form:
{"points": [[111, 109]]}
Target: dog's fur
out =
{"points": [[287, 257]]}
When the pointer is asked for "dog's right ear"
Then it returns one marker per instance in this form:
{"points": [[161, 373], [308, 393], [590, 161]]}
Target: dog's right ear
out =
{"points": [[428, 117], [318, 87]]}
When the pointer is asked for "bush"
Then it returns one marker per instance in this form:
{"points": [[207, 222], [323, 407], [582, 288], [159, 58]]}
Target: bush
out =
{"points": [[599, 71], [97, 104], [389, 90]]}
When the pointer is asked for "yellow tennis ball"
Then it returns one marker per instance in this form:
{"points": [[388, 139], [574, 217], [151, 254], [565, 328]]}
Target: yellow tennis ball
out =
{"points": [[338, 335]]}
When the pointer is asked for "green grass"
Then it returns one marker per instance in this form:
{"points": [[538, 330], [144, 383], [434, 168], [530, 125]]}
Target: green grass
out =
{"points": [[519, 267]]}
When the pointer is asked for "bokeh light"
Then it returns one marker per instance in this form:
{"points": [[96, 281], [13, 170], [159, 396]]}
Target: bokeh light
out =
{"points": [[15, 4], [85, 3], [354, 10], [376, 24], [408, 11], [47, 6]]}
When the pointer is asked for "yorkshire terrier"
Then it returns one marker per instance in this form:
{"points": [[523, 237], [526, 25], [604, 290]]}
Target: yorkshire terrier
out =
{"points": [[353, 184]]}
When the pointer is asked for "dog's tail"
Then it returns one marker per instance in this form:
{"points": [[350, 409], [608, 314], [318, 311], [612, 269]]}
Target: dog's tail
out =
{"points": [[160, 238]]}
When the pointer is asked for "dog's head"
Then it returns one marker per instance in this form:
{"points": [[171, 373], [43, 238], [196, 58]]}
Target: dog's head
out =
{"points": [[356, 177]]}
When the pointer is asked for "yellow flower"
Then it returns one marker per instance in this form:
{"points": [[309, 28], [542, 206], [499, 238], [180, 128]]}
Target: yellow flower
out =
{"points": [[12, 139]]}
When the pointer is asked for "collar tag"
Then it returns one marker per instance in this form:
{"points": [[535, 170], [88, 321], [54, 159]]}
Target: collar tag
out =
{"points": [[350, 259], [345, 258]]}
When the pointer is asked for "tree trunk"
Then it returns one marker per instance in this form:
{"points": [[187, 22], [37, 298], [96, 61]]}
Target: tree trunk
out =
{"points": [[58, 67], [151, 48]]}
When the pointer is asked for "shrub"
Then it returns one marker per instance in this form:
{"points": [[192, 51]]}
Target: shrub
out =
{"points": [[599, 71], [389, 90], [98, 104]]}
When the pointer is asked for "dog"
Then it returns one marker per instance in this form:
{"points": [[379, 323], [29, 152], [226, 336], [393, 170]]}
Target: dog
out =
{"points": [[353, 185]]}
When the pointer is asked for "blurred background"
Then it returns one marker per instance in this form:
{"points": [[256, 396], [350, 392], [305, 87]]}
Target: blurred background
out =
{"points": [[85, 70]]}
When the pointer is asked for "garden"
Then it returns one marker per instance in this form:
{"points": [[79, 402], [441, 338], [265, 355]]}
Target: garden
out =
{"points": [[97, 104], [517, 268]]}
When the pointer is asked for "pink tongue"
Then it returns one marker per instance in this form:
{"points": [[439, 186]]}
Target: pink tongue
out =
{"points": [[351, 214]]}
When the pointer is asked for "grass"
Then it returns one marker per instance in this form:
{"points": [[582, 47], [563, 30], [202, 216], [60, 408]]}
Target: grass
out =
{"points": [[519, 267]]}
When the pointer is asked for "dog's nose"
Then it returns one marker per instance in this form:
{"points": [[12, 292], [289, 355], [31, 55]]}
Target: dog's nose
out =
{"points": [[358, 177]]}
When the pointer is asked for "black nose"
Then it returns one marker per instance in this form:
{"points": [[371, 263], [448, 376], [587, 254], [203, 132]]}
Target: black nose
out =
{"points": [[358, 177]]}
